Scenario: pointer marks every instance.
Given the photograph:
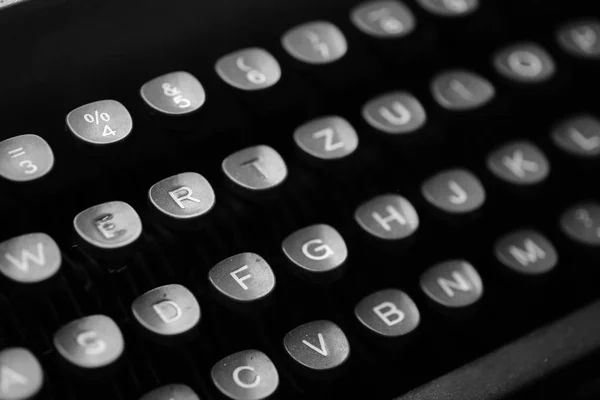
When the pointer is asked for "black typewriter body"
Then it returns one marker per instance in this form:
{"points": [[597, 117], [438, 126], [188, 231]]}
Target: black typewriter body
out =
{"points": [[299, 200]]}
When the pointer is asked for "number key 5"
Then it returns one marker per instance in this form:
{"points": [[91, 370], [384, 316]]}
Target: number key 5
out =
{"points": [[25, 158]]}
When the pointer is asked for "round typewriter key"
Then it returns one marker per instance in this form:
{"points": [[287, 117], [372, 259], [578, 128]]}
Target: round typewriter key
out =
{"points": [[25, 158], [183, 197], [318, 42], [176, 93], [452, 284], [108, 226], [327, 138], [578, 135], [90, 342], [317, 252], [387, 217], [388, 314], [383, 19], [317, 348], [171, 392], [581, 38], [582, 223], [450, 8], [525, 63], [100, 123], [455, 191], [249, 69], [21, 375], [167, 311], [254, 169], [242, 280], [526, 252], [461, 90], [246, 375], [520, 163], [30, 258], [395, 113]]}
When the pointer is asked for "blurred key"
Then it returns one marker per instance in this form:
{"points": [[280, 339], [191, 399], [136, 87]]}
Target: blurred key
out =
{"points": [[581, 223], [176, 93], [384, 19], [109, 226], [242, 281], [317, 253], [581, 38], [450, 8], [318, 42], [21, 375], [578, 135], [168, 311], [100, 123], [90, 342], [389, 315], [182, 199], [519, 163], [30, 258], [526, 252], [254, 169], [452, 285], [524, 63], [396, 113], [461, 90], [246, 375], [317, 348], [25, 158], [249, 69], [171, 392]]}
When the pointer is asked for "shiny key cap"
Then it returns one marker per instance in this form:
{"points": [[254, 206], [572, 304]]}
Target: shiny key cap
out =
{"points": [[526, 252], [175, 93], [450, 8], [167, 311], [30, 258], [383, 19], [21, 375], [581, 223], [90, 342], [452, 284], [317, 252], [326, 138], [242, 280], [25, 158], [174, 391], [395, 113], [524, 63], [246, 375], [461, 90], [100, 123], [578, 135], [520, 163], [388, 314], [317, 348], [455, 191], [249, 69], [318, 42], [254, 169], [108, 226], [182, 198], [581, 38], [389, 217]]}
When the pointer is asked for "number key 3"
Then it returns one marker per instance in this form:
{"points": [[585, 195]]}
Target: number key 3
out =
{"points": [[25, 158]]}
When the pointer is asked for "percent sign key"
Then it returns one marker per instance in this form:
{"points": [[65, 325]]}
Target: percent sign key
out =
{"points": [[101, 122]]}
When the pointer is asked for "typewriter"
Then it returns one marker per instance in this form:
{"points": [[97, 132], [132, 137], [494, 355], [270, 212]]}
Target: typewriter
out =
{"points": [[318, 199]]}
